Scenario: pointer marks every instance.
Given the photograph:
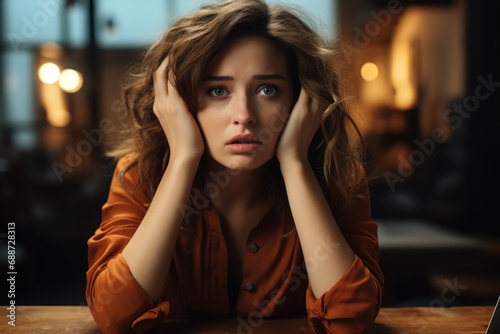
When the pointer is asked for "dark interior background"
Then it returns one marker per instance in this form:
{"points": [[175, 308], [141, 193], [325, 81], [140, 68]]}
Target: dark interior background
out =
{"points": [[455, 187]]}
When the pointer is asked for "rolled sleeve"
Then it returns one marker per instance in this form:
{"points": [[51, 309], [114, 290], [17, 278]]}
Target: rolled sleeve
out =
{"points": [[350, 306], [152, 318], [115, 299]]}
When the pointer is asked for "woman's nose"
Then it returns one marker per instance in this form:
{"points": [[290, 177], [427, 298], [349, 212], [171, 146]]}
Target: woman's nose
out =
{"points": [[244, 111]]}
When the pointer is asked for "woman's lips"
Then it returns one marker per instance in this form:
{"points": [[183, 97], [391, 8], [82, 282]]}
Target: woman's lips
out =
{"points": [[243, 143], [243, 147]]}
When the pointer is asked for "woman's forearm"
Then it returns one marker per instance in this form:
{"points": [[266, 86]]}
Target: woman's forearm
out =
{"points": [[150, 250], [326, 252]]}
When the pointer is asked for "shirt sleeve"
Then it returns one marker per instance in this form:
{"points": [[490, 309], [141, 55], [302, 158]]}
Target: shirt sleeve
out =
{"points": [[352, 304], [115, 299]]}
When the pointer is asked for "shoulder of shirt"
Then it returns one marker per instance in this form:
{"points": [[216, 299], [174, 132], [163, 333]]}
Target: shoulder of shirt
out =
{"points": [[125, 160], [125, 181], [132, 172]]}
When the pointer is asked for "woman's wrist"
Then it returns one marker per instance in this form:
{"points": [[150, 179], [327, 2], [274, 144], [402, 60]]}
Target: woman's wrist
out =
{"points": [[294, 165], [185, 157], [184, 162]]}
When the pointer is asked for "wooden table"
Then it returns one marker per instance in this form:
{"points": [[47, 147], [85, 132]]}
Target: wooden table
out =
{"points": [[436, 320]]}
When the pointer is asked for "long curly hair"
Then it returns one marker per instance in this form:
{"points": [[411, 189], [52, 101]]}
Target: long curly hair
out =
{"points": [[193, 41]]}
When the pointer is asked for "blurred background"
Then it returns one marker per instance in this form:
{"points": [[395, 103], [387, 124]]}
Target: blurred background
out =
{"points": [[422, 75]]}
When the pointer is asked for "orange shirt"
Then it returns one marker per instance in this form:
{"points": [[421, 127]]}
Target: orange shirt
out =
{"points": [[274, 281]]}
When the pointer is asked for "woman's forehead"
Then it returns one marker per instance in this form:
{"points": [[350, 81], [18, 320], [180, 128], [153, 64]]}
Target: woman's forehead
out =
{"points": [[249, 50]]}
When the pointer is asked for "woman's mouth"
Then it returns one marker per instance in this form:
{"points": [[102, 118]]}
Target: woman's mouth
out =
{"points": [[243, 143]]}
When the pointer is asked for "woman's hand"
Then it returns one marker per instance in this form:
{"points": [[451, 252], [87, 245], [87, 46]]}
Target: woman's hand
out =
{"points": [[300, 129], [182, 131]]}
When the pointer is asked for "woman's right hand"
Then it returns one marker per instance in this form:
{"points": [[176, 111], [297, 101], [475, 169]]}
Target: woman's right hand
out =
{"points": [[182, 131]]}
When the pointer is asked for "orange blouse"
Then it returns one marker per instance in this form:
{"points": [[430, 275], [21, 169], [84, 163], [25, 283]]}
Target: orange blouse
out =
{"points": [[274, 281]]}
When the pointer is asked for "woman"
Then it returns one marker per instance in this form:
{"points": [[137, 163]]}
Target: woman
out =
{"points": [[238, 191]]}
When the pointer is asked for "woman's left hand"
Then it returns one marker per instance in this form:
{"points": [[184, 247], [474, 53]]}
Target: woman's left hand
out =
{"points": [[300, 129]]}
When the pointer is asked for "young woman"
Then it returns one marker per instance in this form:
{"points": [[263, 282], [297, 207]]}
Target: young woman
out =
{"points": [[239, 190]]}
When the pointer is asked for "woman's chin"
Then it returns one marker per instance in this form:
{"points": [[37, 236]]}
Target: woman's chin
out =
{"points": [[241, 163]]}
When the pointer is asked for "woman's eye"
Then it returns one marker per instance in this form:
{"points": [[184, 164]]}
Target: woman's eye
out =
{"points": [[268, 90], [217, 92]]}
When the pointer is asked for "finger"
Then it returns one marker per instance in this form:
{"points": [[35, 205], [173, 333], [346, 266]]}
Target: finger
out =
{"points": [[306, 112], [160, 86], [303, 97], [309, 104], [159, 77], [301, 106]]}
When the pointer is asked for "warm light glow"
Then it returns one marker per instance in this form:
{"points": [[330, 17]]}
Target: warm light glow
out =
{"points": [[58, 117], [49, 73], [70, 81], [54, 102], [369, 71], [404, 62], [405, 91]]}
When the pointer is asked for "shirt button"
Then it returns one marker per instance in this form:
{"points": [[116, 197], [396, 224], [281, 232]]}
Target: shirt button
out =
{"points": [[253, 248], [249, 286]]}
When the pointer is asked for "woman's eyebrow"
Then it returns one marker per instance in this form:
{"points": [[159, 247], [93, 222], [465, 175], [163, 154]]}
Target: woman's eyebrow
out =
{"points": [[255, 77]]}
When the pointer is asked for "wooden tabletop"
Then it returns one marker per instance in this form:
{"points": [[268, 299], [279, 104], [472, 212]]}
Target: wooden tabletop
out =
{"points": [[411, 320]]}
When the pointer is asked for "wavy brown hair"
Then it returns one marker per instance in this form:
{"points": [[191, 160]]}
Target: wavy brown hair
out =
{"points": [[193, 41]]}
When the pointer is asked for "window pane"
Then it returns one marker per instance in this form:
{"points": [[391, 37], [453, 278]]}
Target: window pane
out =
{"points": [[130, 23], [184, 7], [322, 11], [28, 22], [19, 106], [78, 25]]}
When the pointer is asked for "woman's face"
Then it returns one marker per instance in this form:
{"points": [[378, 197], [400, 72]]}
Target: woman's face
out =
{"points": [[245, 97]]}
